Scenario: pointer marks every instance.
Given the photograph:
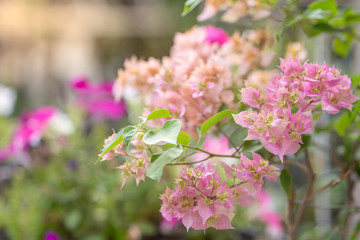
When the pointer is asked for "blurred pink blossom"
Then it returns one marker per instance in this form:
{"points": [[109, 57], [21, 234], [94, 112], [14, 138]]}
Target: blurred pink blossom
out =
{"points": [[216, 35], [29, 131], [97, 98], [269, 216], [50, 235], [166, 226]]}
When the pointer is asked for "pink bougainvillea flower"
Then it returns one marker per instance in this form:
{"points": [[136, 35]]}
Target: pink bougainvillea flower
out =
{"points": [[216, 35], [251, 96], [29, 131], [97, 98], [50, 235], [284, 115], [202, 199]]}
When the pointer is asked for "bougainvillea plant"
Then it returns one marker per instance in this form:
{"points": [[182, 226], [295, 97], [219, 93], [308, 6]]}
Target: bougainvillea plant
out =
{"points": [[209, 81]]}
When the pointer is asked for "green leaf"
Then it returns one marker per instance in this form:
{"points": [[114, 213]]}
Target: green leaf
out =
{"points": [[183, 138], [252, 146], [312, 30], [239, 135], [306, 139], [355, 79], [317, 14], [113, 143], [342, 48], [168, 133], [355, 112], [159, 113], [342, 124], [155, 169], [215, 120], [189, 6], [286, 181], [352, 17], [326, 5], [356, 233], [129, 133]]}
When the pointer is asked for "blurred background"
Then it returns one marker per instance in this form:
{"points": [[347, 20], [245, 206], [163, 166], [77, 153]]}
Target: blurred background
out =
{"points": [[55, 190], [44, 43]]}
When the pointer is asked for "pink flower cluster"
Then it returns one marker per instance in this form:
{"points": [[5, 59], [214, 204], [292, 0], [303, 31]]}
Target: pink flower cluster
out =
{"points": [[97, 99], [285, 105], [199, 76], [30, 130], [139, 160], [202, 199]]}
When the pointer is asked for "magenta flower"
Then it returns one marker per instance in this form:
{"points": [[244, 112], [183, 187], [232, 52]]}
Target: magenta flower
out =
{"points": [[50, 235], [29, 131], [97, 99], [216, 35]]}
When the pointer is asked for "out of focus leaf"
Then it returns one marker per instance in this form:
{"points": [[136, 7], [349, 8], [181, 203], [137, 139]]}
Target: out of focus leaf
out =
{"points": [[342, 48], [183, 138], [286, 181], [317, 14], [355, 112], [189, 6], [159, 113], [356, 233], [342, 124], [252, 146], [355, 79], [326, 5], [72, 220]]}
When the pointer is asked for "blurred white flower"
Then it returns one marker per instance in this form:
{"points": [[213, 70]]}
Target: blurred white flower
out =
{"points": [[61, 123], [7, 100]]}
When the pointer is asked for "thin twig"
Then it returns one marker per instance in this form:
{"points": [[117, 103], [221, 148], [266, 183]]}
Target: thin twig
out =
{"points": [[211, 154], [306, 199], [334, 207], [230, 141], [333, 155], [188, 163], [299, 165], [331, 184]]}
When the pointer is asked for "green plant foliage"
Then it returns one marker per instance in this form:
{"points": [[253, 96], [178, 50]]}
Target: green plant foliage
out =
{"points": [[189, 6], [159, 113], [286, 181], [129, 133], [159, 161], [113, 143], [183, 138], [167, 134], [215, 120]]}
